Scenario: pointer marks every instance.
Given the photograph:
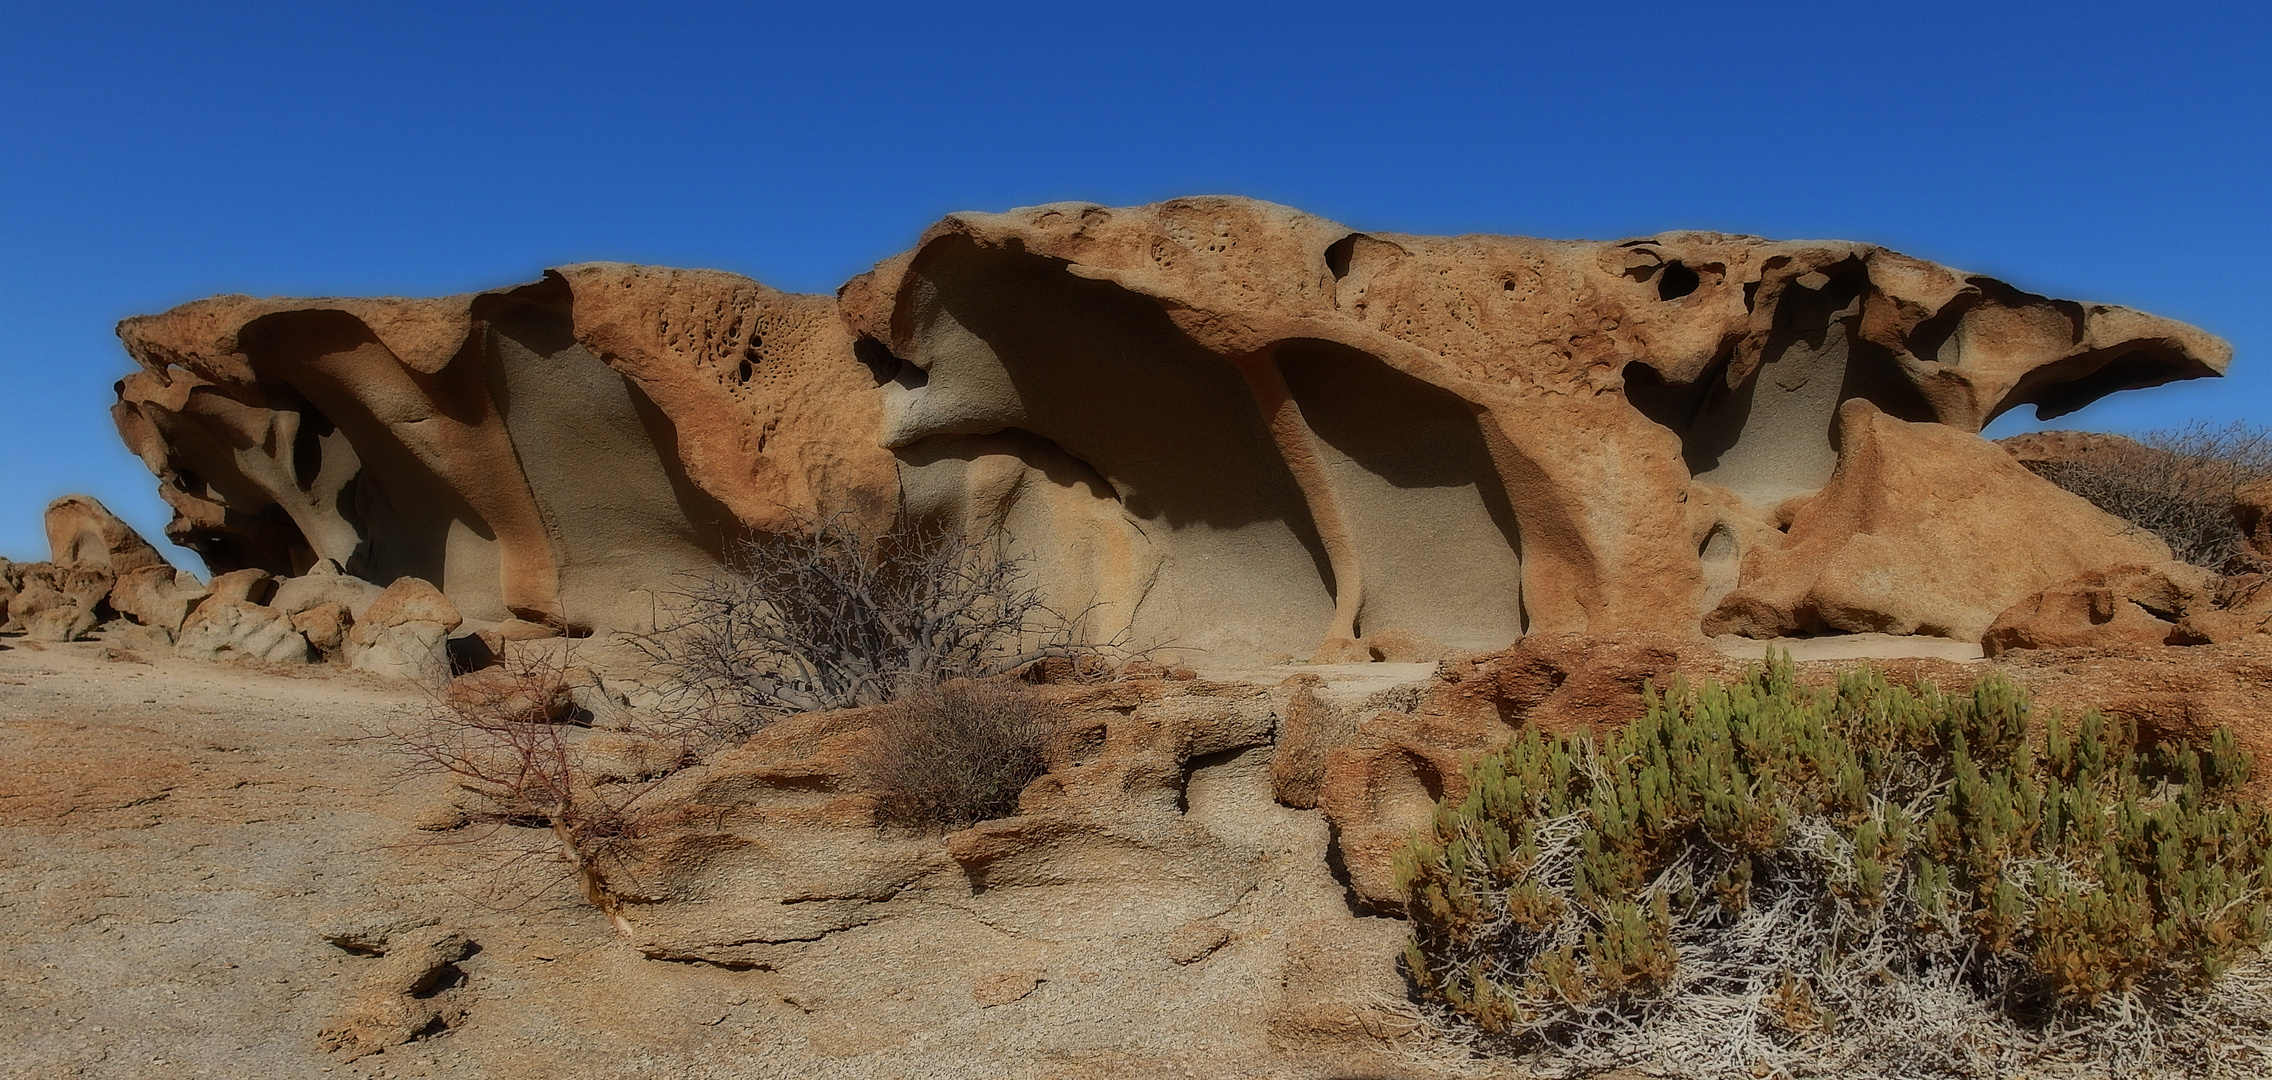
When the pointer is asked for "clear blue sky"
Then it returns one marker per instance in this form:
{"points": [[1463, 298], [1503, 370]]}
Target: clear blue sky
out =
{"points": [[154, 153]]}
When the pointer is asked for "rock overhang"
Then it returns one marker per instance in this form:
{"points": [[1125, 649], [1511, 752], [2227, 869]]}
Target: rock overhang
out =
{"points": [[1232, 425]]}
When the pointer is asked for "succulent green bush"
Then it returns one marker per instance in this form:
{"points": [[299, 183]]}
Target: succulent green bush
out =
{"points": [[1868, 878]]}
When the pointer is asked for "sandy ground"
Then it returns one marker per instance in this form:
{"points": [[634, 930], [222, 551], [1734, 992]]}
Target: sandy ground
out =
{"points": [[177, 839]]}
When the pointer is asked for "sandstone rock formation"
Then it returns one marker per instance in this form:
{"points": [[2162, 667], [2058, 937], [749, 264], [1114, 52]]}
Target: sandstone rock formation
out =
{"points": [[542, 452], [98, 567], [1213, 423], [2110, 606], [230, 629], [2252, 511], [403, 633], [413, 989], [1921, 530], [2127, 607]]}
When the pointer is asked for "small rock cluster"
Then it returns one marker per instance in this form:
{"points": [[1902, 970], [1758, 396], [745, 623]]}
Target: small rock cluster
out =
{"points": [[103, 576]]}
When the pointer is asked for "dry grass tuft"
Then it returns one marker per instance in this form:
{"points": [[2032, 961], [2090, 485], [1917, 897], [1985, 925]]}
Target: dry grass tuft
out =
{"points": [[950, 756]]}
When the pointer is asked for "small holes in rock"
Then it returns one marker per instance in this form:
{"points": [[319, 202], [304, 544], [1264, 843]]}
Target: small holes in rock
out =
{"points": [[743, 373], [1676, 281], [1339, 254]]}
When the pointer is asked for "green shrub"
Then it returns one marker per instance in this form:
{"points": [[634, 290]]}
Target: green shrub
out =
{"points": [[1865, 879], [947, 757]]}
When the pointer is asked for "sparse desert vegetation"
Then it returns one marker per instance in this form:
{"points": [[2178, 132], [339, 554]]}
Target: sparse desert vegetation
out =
{"points": [[1856, 879], [2181, 484], [1089, 646]]}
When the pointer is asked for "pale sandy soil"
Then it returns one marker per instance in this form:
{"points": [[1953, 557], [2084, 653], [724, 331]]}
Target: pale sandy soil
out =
{"points": [[177, 838]]}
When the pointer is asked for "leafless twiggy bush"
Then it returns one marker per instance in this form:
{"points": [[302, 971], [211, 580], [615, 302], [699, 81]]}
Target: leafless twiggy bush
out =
{"points": [[950, 756], [826, 616], [505, 738], [2178, 484]]}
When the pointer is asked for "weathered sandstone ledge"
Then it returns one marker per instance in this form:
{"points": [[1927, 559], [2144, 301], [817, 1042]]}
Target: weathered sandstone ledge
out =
{"points": [[1222, 425]]}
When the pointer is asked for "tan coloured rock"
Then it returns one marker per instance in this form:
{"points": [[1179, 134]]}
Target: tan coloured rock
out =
{"points": [[515, 694], [2243, 610], [2252, 511], [2062, 447], [1003, 987], [58, 603], [544, 452], [1921, 530], [1196, 940], [251, 586], [1213, 422], [325, 626], [160, 597], [325, 584], [1157, 808], [84, 535], [1346, 386], [403, 634], [232, 629], [49, 614], [2107, 607]]}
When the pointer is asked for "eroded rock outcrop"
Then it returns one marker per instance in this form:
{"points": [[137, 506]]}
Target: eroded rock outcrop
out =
{"points": [[2134, 606], [1921, 530], [1212, 423], [98, 567], [540, 453]]}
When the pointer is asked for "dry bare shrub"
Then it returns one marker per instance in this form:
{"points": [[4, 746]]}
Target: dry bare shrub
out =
{"points": [[501, 738], [947, 757], [826, 616], [2178, 484]]}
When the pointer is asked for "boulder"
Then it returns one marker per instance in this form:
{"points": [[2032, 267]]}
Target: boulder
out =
{"points": [[404, 633], [2113, 606], [82, 534], [325, 584], [1156, 806], [251, 586], [239, 629], [324, 625], [57, 603], [48, 614], [158, 596], [409, 990], [1922, 529]]}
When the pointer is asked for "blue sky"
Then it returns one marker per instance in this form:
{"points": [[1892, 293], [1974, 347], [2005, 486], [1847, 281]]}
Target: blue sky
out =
{"points": [[154, 153]]}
